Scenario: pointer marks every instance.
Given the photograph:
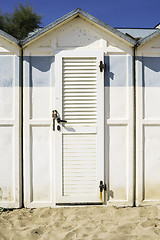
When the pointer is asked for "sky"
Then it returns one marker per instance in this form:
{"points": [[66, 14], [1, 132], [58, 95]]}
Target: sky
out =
{"points": [[116, 13]]}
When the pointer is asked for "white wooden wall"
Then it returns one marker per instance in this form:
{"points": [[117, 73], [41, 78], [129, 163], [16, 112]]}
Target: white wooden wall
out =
{"points": [[119, 145], [38, 134], [148, 124], [10, 128]]}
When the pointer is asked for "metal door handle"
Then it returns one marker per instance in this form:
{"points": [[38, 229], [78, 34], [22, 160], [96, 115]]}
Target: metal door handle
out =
{"points": [[61, 120]]}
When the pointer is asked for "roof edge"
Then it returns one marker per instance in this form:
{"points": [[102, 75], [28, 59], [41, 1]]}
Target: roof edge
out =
{"points": [[9, 37], [50, 26], [148, 38], [88, 16], [136, 43], [108, 27]]}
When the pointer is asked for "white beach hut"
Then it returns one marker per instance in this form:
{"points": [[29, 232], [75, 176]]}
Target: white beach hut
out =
{"points": [[85, 128], [83, 69]]}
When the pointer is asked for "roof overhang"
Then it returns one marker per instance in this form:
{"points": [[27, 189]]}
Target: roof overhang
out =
{"points": [[72, 15], [9, 38], [81, 13], [148, 38]]}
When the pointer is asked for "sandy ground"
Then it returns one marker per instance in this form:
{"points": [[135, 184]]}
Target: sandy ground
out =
{"points": [[91, 222]]}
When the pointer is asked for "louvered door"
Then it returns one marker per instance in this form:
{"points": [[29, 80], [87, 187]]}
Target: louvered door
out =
{"points": [[79, 144]]}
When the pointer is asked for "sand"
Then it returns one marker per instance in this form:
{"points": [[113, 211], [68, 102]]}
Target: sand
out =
{"points": [[90, 222]]}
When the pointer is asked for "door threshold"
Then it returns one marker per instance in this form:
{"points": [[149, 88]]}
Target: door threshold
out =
{"points": [[78, 204]]}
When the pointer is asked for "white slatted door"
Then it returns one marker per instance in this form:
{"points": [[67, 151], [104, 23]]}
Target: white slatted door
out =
{"points": [[80, 142]]}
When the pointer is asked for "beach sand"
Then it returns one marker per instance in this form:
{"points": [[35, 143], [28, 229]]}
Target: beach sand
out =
{"points": [[88, 223]]}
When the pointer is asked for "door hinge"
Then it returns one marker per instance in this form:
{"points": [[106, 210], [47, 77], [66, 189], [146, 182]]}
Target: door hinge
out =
{"points": [[102, 66], [102, 186]]}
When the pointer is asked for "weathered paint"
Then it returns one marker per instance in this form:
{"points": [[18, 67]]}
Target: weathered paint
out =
{"points": [[84, 15], [10, 139]]}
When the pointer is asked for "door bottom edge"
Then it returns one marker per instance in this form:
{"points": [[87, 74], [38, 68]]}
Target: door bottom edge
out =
{"points": [[79, 204]]}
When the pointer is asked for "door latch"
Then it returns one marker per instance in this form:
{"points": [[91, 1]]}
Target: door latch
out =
{"points": [[101, 188], [54, 116]]}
